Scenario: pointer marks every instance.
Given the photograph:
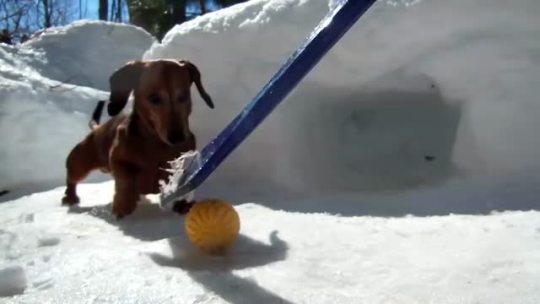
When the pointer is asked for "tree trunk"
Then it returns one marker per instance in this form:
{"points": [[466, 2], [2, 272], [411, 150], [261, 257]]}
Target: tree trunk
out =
{"points": [[179, 12], [202, 3], [145, 16], [46, 13], [103, 10], [113, 10], [80, 10], [118, 17]]}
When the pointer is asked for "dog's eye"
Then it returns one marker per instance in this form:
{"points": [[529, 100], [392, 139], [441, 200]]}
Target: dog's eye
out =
{"points": [[155, 99]]}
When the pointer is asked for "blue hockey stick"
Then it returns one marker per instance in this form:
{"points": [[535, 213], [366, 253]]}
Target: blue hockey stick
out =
{"points": [[322, 39]]}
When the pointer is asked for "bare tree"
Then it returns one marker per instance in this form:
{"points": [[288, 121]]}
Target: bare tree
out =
{"points": [[55, 12], [112, 10], [103, 10], [83, 8], [14, 16], [22, 17], [116, 14], [46, 8], [119, 11]]}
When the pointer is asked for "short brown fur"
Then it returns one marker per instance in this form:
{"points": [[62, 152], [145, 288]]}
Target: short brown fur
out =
{"points": [[136, 148]]}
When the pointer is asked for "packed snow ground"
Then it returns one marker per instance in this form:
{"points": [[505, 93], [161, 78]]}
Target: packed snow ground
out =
{"points": [[424, 110], [83, 255]]}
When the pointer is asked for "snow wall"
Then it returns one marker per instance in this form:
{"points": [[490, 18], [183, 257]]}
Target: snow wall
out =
{"points": [[416, 92]]}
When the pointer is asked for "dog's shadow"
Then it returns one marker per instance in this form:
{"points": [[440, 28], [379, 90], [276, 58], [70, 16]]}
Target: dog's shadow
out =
{"points": [[148, 223], [215, 273]]}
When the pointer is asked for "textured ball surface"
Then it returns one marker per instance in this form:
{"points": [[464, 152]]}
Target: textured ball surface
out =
{"points": [[212, 225]]}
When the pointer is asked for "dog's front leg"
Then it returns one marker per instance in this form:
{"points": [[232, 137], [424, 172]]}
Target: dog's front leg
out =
{"points": [[126, 193]]}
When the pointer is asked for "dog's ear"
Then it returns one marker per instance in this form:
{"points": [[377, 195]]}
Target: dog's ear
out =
{"points": [[122, 82], [196, 78]]}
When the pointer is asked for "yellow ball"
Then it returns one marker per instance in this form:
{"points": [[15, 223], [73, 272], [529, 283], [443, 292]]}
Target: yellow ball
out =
{"points": [[212, 225]]}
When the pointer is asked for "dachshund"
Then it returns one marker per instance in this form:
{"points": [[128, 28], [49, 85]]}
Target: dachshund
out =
{"points": [[136, 148]]}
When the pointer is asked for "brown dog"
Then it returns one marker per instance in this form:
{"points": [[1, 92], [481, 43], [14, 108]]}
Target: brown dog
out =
{"points": [[136, 148]]}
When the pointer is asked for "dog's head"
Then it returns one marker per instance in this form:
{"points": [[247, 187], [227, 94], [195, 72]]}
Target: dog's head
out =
{"points": [[162, 95]]}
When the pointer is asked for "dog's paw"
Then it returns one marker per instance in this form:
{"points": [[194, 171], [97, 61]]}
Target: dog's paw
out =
{"points": [[121, 209], [70, 200], [182, 207]]}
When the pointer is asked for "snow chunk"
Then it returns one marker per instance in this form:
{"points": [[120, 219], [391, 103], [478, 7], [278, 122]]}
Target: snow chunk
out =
{"points": [[48, 241], [12, 281]]}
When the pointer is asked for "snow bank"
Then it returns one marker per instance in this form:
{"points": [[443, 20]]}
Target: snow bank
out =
{"points": [[41, 119], [45, 88], [86, 52], [416, 92], [280, 256]]}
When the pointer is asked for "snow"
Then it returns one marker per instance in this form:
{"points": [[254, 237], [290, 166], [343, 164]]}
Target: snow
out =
{"points": [[40, 120], [87, 52], [402, 170], [281, 255]]}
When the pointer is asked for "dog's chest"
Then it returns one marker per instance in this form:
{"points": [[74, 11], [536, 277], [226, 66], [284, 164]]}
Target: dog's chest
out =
{"points": [[154, 169], [150, 176], [152, 161]]}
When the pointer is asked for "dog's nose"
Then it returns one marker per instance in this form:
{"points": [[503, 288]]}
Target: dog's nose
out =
{"points": [[176, 138]]}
